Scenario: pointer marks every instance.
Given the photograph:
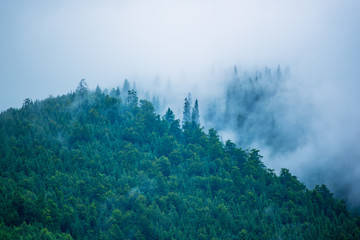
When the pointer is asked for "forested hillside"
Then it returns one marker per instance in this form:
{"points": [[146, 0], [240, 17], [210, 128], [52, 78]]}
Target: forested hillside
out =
{"points": [[93, 165]]}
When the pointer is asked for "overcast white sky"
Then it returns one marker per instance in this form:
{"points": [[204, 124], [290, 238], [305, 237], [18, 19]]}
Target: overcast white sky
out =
{"points": [[47, 47]]}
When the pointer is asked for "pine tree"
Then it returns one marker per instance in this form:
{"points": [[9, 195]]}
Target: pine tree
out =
{"points": [[187, 112], [189, 99], [115, 92], [132, 99], [126, 87], [98, 91], [27, 102], [195, 116], [82, 89], [169, 116]]}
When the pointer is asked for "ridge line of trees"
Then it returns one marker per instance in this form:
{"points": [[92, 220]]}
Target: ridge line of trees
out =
{"points": [[101, 165]]}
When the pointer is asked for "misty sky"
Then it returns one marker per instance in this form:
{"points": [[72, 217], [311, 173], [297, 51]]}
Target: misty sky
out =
{"points": [[47, 47]]}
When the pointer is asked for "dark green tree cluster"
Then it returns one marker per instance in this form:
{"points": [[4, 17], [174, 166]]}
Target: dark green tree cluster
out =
{"points": [[91, 165]]}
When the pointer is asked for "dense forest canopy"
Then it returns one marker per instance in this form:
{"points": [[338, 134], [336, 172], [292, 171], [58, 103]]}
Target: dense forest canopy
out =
{"points": [[100, 165]]}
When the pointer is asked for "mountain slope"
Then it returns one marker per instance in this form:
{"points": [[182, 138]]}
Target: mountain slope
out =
{"points": [[88, 165]]}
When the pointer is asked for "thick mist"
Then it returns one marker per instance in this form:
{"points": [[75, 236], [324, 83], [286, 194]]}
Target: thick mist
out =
{"points": [[271, 110], [47, 47], [306, 120], [266, 109]]}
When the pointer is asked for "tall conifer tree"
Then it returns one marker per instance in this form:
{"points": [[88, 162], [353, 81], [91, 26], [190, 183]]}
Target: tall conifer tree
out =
{"points": [[195, 116], [187, 112]]}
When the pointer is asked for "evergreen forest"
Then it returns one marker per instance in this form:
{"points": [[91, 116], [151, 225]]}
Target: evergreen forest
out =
{"points": [[94, 164]]}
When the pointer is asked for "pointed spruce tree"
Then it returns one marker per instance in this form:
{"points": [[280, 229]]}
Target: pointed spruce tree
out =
{"points": [[169, 116], [132, 99], [195, 116], [126, 87], [82, 89], [187, 112]]}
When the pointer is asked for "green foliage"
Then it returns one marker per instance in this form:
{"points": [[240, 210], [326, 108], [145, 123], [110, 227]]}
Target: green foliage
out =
{"points": [[169, 116], [89, 165]]}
